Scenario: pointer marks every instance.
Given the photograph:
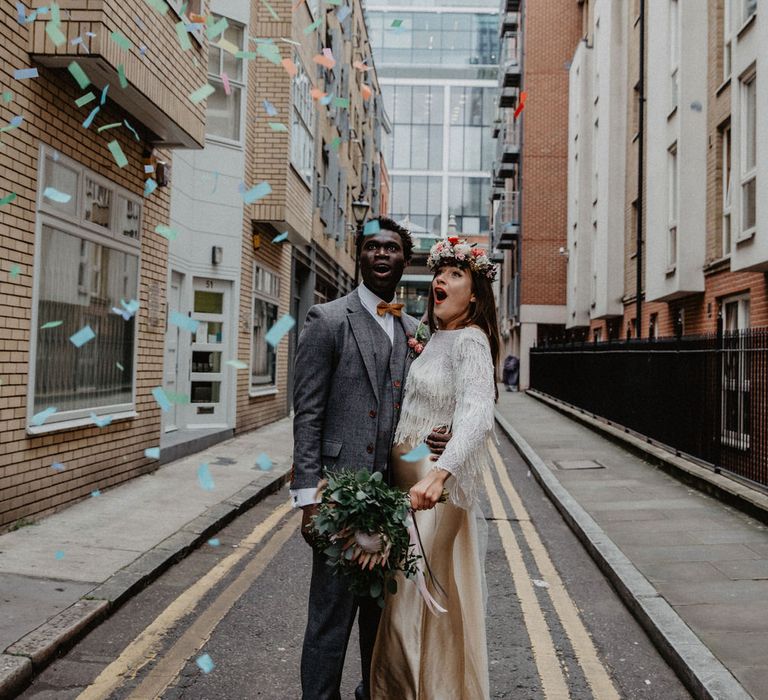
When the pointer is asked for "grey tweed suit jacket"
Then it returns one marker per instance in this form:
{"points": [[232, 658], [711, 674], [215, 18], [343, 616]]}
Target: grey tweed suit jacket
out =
{"points": [[336, 390]]}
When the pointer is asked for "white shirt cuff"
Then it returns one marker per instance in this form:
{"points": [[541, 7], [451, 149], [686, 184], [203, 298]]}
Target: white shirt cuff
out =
{"points": [[304, 497]]}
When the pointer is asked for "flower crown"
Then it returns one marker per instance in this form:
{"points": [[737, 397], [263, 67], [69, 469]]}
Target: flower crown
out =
{"points": [[456, 251]]}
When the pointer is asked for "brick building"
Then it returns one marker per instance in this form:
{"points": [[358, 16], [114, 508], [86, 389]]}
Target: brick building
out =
{"points": [[529, 201], [703, 247]]}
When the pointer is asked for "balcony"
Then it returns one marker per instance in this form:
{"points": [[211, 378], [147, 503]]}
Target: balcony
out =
{"points": [[506, 221], [510, 65], [157, 75], [510, 6], [510, 22], [508, 143]]}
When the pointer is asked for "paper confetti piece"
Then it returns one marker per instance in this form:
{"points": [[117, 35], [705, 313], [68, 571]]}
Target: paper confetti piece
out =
{"points": [[108, 126], [161, 398], [82, 336], [58, 555], [25, 73], [311, 28], [326, 100], [15, 271], [225, 81], [280, 237], [205, 663], [214, 542], [166, 232], [53, 30], [184, 322], [257, 192], [343, 12], [7, 199], [521, 106], [204, 478], [283, 325], [237, 364], [118, 154], [158, 5], [277, 126], [89, 119], [55, 196], [201, 93], [104, 95], [100, 421], [361, 66], [58, 467], [121, 76], [269, 108], [85, 99], [148, 169], [325, 61], [40, 418], [15, 123], [216, 28], [79, 75], [396, 23], [271, 10], [51, 324], [334, 145], [132, 130], [290, 67], [150, 186], [152, 452], [7, 97], [270, 52], [121, 40], [416, 454], [95, 493], [183, 36], [263, 462], [371, 228], [341, 102], [366, 92], [119, 366], [317, 93]]}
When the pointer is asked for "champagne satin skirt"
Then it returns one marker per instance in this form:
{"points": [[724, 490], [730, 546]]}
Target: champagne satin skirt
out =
{"points": [[418, 655]]}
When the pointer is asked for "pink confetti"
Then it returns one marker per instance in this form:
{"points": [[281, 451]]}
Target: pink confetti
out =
{"points": [[225, 80]]}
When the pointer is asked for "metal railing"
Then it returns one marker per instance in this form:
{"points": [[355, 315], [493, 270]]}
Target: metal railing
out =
{"points": [[510, 50], [704, 396], [509, 136]]}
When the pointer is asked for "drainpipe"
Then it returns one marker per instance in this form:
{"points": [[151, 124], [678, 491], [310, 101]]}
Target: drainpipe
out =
{"points": [[640, 174]]}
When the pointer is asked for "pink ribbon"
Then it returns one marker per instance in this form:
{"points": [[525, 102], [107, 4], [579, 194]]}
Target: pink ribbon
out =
{"points": [[420, 580]]}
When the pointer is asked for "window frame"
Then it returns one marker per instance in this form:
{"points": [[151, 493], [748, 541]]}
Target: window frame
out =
{"points": [[674, 55], [298, 120], [673, 204], [747, 81], [727, 39], [746, 15], [740, 438], [177, 5], [726, 185], [75, 225], [267, 389]]}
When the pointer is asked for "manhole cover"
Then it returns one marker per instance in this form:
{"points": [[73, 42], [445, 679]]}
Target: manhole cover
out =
{"points": [[224, 460], [578, 464]]}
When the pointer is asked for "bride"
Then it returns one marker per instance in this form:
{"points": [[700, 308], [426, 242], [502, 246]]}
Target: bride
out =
{"points": [[420, 655]]}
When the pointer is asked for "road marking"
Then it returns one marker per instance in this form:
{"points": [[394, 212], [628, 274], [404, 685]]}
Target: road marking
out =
{"points": [[173, 661], [144, 647], [583, 647], [543, 649]]}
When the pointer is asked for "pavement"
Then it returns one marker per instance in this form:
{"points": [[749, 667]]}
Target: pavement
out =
{"points": [[64, 574], [692, 568]]}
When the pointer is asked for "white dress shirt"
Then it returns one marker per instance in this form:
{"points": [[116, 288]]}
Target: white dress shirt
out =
{"points": [[305, 497]]}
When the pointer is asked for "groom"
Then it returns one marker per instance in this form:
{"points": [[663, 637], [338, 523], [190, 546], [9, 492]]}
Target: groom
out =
{"points": [[351, 363]]}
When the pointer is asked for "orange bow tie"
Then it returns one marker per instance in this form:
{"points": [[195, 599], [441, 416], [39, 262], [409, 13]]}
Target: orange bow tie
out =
{"points": [[394, 309]]}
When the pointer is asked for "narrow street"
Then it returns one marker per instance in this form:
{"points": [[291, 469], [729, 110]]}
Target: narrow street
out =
{"points": [[556, 629]]}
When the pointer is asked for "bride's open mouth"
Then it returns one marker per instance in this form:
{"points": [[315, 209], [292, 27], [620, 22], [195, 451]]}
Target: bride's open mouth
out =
{"points": [[440, 295]]}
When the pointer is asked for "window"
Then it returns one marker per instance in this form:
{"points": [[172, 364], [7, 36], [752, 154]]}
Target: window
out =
{"points": [[593, 257], [653, 327], [302, 123], [87, 263], [727, 42], [595, 164], [735, 397], [750, 8], [467, 200], [266, 297], [674, 53], [672, 214], [225, 74], [748, 154], [726, 187], [417, 118], [471, 111]]}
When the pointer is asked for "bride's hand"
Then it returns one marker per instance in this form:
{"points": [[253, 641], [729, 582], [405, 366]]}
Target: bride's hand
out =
{"points": [[426, 493]]}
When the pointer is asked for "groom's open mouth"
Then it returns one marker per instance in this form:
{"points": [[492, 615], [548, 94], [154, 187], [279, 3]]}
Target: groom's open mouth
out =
{"points": [[382, 270], [440, 295]]}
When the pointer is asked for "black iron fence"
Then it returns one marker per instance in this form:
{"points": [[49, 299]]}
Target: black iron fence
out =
{"points": [[705, 396]]}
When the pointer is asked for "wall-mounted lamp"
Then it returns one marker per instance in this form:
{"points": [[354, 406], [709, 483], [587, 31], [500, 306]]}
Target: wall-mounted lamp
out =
{"points": [[564, 252], [217, 255]]}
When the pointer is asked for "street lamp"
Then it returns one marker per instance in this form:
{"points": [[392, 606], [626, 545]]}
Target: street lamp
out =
{"points": [[360, 209]]}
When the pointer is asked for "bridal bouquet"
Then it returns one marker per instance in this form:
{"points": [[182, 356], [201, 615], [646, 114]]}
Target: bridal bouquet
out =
{"points": [[363, 528]]}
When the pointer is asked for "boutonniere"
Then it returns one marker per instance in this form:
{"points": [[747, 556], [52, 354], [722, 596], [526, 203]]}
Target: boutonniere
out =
{"points": [[417, 341]]}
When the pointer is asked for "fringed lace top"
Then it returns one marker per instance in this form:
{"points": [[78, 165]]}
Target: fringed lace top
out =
{"points": [[452, 383]]}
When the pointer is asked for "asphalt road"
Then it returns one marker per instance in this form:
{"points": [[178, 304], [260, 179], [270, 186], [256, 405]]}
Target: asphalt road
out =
{"points": [[556, 629]]}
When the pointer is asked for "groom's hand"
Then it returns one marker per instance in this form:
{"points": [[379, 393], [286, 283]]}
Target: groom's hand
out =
{"points": [[307, 513], [437, 441]]}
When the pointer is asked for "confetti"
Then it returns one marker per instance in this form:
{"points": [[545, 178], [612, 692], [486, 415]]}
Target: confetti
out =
{"points": [[121, 76], [283, 325], [132, 130], [204, 478], [15, 271], [82, 336], [148, 169], [201, 93], [42, 416], [104, 95], [53, 30], [361, 66], [51, 324], [521, 106], [152, 452], [311, 28], [118, 154], [341, 102], [225, 81], [317, 93], [371, 228], [99, 421], [396, 23], [290, 67], [7, 97], [184, 322], [13, 124], [343, 12], [269, 108], [326, 100], [277, 126], [79, 75], [158, 5], [150, 186], [214, 542], [257, 192], [89, 119], [205, 663], [25, 73], [416, 454], [7, 199], [85, 99], [270, 52], [58, 555], [161, 398], [324, 60], [280, 237], [95, 493], [183, 36], [121, 40], [263, 462], [237, 364], [366, 92], [108, 126], [119, 366], [334, 145], [58, 467], [166, 232], [216, 28], [55, 196], [271, 10]]}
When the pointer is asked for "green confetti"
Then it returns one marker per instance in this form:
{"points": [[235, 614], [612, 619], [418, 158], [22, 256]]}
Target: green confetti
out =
{"points": [[183, 35], [277, 126], [270, 52], [15, 271], [213, 30], [201, 93], [237, 364], [7, 199], [166, 232], [7, 97], [396, 23], [333, 2], [85, 99], [158, 5], [53, 30], [271, 10], [108, 126], [79, 75], [246, 55], [119, 366], [51, 324], [336, 143], [118, 154], [121, 40], [311, 28], [121, 76], [342, 102]]}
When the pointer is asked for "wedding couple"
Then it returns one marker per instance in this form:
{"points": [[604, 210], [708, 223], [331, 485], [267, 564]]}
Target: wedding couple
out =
{"points": [[355, 410]]}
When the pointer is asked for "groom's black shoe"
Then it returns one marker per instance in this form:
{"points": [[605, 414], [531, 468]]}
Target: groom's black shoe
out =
{"points": [[360, 693]]}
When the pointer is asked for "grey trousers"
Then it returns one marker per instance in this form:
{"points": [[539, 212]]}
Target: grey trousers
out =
{"points": [[330, 618]]}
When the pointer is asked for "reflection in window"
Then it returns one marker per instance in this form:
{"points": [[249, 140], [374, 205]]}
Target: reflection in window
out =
{"points": [[467, 200], [420, 199], [266, 296], [98, 203], [471, 115]]}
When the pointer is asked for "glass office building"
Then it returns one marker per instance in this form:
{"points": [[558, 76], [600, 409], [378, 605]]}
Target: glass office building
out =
{"points": [[437, 64]]}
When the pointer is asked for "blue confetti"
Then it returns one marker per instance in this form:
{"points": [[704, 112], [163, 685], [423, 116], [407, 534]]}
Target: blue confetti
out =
{"points": [[372, 228], [89, 119], [214, 542], [104, 95], [58, 555], [82, 336], [283, 325], [204, 478], [95, 494], [184, 322], [417, 454], [270, 109], [263, 462], [42, 416], [25, 73], [161, 398], [205, 663], [280, 237], [326, 100], [58, 467], [100, 421], [149, 186], [55, 196], [256, 193], [152, 453], [16, 121]]}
